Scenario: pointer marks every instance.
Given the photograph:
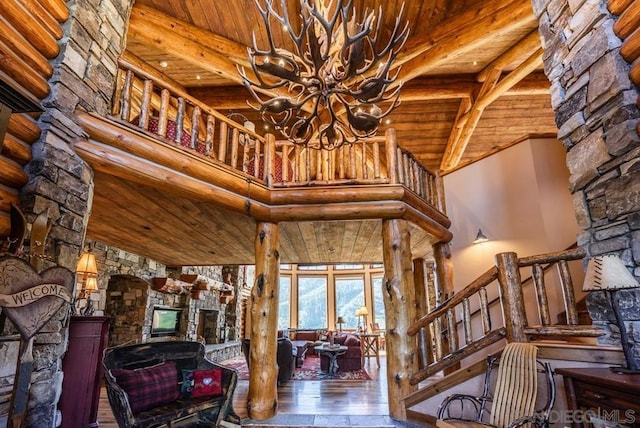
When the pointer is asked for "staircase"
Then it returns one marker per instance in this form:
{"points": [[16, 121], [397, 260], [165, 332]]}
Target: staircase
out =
{"points": [[469, 325]]}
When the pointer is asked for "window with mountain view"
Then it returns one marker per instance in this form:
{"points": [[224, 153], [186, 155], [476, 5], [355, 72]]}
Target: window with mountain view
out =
{"points": [[312, 302], [349, 297]]}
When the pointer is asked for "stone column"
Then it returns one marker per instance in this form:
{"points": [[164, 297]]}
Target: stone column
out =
{"points": [[596, 112], [60, 182]]}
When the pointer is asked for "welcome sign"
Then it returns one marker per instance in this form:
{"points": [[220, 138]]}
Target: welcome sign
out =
{"points": [[30, 299]]}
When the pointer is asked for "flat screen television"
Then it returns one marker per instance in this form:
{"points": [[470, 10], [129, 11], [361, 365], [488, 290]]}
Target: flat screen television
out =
{"points": [[165, 322]]}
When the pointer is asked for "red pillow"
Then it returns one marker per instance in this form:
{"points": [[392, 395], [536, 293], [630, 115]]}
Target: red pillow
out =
{"points": [[149, 387], [207, 382]]}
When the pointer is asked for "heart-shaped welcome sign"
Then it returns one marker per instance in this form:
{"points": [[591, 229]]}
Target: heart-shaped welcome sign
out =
{"points": [[30, 299]]}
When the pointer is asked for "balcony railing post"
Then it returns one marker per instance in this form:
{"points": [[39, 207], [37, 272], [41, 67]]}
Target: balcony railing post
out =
{"points": [[392, 163], [419, 280], [269, 159], [515, 318]]}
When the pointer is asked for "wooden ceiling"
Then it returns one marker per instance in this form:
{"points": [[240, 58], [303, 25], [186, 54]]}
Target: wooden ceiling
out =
{"points": [[473, 85]]}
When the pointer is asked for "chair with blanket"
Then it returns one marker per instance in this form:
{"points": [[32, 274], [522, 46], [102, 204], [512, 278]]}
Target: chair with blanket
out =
{"points": [[524, 394]]}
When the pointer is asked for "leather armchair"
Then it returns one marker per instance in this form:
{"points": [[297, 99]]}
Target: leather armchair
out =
{"points": [[285, 357]]}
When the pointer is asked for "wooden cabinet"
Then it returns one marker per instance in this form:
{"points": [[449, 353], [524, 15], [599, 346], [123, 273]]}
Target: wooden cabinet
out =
{"points": [[82, 367], [613, 397]]}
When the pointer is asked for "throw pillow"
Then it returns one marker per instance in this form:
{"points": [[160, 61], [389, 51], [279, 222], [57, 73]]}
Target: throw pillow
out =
{"points": [[149, 387], [207, 382], [187, 383]]}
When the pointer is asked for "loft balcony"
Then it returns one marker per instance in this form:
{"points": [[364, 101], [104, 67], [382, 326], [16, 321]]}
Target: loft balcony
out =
{"points": [[181, 183]]}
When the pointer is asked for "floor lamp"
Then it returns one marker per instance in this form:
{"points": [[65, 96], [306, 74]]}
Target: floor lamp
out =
{"points": [[362, 312], [608, 273]]}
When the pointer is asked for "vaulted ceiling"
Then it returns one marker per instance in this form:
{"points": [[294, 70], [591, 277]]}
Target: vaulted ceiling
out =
{"points": [[473, 85], [472, 70]]}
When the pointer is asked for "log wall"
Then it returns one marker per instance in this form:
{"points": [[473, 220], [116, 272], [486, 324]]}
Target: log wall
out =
{"points": [[29, 35]]}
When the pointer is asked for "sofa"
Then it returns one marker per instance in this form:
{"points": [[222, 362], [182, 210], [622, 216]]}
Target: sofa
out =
{"points": [[286, 357], [350, 360]]}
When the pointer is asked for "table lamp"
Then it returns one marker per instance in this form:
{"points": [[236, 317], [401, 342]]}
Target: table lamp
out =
{"points": [[362, 312], [340, 321], [608, 273], [88, 271]]}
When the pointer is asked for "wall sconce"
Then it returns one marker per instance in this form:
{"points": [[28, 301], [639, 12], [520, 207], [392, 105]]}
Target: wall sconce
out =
{"points": [[362, 312], [87, 269], [608, 273], [480, 237]]}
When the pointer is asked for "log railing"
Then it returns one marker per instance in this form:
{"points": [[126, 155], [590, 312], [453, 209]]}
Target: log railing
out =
{"points": [[150, 102], [503, 280]]}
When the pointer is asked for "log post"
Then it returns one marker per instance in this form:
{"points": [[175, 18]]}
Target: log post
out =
{"points": [[444, 281], [419, 279], [262, 397], [399, 297], [270, 159], [515, 318]]}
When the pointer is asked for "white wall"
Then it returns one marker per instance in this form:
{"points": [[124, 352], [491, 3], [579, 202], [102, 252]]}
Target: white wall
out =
{"points": [[519, 197]]}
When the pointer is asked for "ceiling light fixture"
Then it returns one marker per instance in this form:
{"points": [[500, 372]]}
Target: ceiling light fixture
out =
{"points": [[330, 86]]}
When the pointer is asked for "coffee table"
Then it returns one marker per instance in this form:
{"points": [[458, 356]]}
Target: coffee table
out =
{"points": [[331, 352]]}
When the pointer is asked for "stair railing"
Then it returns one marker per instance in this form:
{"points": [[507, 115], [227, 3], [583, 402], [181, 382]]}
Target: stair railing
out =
{"points": [[503, 280]]}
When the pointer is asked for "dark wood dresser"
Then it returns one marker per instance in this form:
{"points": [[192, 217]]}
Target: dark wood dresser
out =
{"points": [[615, 397], [82, 366]]}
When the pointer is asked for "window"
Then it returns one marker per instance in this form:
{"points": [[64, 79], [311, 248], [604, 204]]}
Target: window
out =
{"points": [[312, 267], [349, 297], [283, 304], [312, 302], [348, 266], [378, 304]]}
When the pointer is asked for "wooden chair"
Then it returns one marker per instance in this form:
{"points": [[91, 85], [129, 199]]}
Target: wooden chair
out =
{"points": [[375, 328], [517, 390]]}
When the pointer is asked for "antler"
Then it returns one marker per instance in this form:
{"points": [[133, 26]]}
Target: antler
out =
{"points": [[319, 75]]}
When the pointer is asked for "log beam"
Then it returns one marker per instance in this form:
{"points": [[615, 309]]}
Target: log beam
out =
{"points": [[262, 397], [398, 295]]}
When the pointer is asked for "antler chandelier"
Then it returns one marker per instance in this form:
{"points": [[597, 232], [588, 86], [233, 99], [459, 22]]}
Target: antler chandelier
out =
{"points": [[327, 91]]}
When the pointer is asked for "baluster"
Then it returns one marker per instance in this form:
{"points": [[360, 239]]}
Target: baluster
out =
{"points": [[541, 293], [400, 167], [437, 198], [116, 105], [437, 325], [324, 157], [307, 162], [235, 136], [179, 121], [256, 155], [365, 173], [376, 159], [222, 145], [211, 129], [352, 162], [246, 155], [416, 178], [144, 104], [332, 167], [567, 292], [453, 331], [298, 155], [390, 146], [163, 113], [466, 318], [405, 170], [341, 162], [485, 315], [195, 127], [285, 163], [126, 96]]}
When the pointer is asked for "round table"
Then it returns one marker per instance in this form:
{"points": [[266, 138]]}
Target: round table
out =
{"points": [[332, 352]]}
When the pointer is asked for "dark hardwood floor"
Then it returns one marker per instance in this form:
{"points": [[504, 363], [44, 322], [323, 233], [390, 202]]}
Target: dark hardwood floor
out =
{"points": [[324, 397]]}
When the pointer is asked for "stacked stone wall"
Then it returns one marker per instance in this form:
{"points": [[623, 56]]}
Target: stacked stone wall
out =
{"points": [[596, 112]]}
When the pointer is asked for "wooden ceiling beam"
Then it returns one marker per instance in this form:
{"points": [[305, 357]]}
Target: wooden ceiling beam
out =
{"points": [[491, 90], [467, 38]]}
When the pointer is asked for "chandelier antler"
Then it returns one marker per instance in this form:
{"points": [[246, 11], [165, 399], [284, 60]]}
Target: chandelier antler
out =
{"points": [[328, 89]]}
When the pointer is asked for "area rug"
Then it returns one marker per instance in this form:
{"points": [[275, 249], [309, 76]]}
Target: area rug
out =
{"points": [[310, 370]]}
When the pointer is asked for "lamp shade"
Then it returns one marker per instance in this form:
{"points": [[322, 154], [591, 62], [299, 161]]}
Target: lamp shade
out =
{"points": [[87, 265], [340, 320], [608, 273], [91, 284], [362, 311]]}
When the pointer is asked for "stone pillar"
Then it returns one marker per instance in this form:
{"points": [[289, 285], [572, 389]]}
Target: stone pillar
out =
{"points": [[596, 112], [60, 182]]}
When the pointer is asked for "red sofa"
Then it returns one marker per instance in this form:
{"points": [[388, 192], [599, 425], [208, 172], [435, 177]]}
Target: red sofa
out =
{"points": [[350, 360]]}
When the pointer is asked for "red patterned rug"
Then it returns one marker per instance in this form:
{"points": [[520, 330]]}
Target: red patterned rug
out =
{"points": [[310, 370]]}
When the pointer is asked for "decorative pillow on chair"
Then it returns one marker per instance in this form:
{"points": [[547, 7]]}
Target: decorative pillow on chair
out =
{"points": [[149, 387], [207, 382], [187, 383]]}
